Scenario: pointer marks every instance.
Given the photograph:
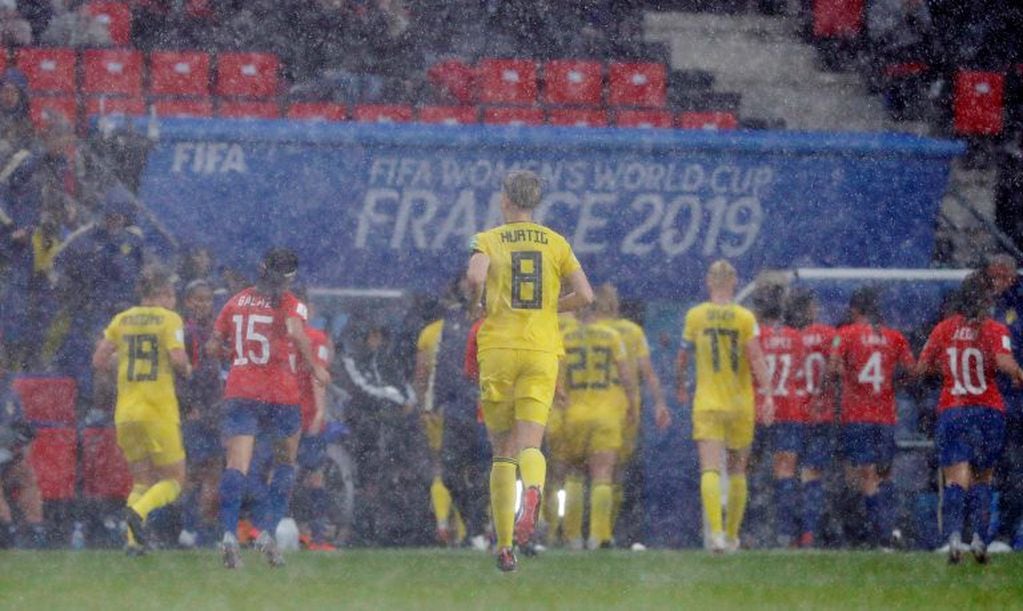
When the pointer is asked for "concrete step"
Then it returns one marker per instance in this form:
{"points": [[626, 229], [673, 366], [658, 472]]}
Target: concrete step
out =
{"points": [[735, 55], [751, 24]]}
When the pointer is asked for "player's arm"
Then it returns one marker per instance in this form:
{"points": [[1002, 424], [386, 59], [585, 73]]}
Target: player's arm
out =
{"points": [[476, 277], [320, 392], [649, 378], [758, 365], [581, 294], [926, 365], [180, 362], [1008, 365], [296, 333], [104, 356], [421, 376], [627, 374]]}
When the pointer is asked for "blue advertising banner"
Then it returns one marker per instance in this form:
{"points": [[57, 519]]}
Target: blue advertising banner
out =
{"points": [[393, 206]]}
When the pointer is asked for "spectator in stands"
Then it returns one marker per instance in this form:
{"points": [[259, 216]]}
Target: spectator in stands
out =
{"points": [[15, 125], [15, 31], [15, 472], [73, 26], [197, 264]]}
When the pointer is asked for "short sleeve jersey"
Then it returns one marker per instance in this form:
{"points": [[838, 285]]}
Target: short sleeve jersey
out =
{"points": [[718, 335], [320, 347], [818, 403], [783, 354], [527, 264], [869, 358], [144, 337], [592, 353], [428, 342], [966, 353], [262, 363]]}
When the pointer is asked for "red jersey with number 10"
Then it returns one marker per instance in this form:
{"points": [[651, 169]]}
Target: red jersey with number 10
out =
{"points": [[783, 353], [818, 402], [966, 354], [262, 366], [869, 356]]}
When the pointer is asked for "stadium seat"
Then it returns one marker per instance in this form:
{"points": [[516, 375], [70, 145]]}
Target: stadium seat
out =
{"points": [[838, 18], [183, 107], [317, 111], [247, 75], [43, 107], [453, 81], [116, 16], [112, 71], [179, 73], [105, 473], [643, 118], [248, 109], [52, 457], [382, 113], [578, 117], [711, 121], [48, 70], [115, 105], [513, 115], [47, 400], [507, 81], [978, 100], [449, 115], [573, 83], [637, 85]]}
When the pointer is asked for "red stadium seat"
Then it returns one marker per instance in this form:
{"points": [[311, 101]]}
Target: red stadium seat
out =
{"points": [[179, 73], [711, 121], [578, 117], [837, 18], [573, 82], [112, 71], [249, 75], [47, 400], [105, 473], [48, 70], [382, 113], [978, 103], [52, 457], [116, 16], [317, 111], [513, 116], [115, 105], [637, 84], [42, 109], [248, 109], [449, 115], [454, 80], [183, 107], [643, 118], [507, 81]]}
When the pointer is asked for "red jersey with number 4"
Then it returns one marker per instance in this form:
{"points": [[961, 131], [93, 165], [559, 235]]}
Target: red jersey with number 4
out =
{"points": [[869, 356], [321, 356], [262, 368], [818, 403], [783, 353], [966, 353]]}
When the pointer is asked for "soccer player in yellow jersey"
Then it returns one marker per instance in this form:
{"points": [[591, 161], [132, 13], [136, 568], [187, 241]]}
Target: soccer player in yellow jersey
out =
{"points": [[722, 336], [600, 383], [146, 344], [521, 265]]}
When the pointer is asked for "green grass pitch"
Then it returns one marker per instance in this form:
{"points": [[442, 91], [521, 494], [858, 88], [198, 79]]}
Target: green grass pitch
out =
{"points": [[440, 579]]}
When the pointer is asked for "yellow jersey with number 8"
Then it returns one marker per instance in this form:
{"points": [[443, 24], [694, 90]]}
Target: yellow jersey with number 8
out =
{"points": [[527, 264], [718, 335], [144, 337]]}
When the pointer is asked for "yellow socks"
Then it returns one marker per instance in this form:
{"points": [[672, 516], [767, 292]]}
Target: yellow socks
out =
{"points": [[502, 498], [710, 493], [600, 512], [532, 468], [617, 495], [161, 493], [137, 491], [440, 499], [572, 522], [737, 494]]}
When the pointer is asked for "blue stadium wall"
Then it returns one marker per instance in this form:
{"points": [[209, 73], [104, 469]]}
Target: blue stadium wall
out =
{"points": [[393, 206]]}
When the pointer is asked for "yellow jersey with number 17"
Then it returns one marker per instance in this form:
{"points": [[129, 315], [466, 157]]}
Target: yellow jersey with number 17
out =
{"points": [[144, 337], [527, 263], [718, 335]]}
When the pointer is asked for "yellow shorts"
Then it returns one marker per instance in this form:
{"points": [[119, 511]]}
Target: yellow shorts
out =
{"points": [[588, 433], [157, 440], [516, 385], [433, 426], [734, 428]]}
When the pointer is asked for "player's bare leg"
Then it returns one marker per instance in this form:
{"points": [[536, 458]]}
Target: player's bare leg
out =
{"points": [[738, 492], [29, 500], [281, 483], [602, 468]]}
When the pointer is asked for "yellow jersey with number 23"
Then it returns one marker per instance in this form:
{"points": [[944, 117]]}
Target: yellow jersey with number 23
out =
{"points": [[718, 335]]}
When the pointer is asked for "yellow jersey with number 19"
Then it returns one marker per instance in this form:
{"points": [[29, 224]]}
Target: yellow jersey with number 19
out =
{"points": [[144, 337], [718, 335], [527, 263]]}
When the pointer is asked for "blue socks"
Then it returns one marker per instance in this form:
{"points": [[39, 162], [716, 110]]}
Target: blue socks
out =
{"points": [[274, 504], [978, 502], [813, 506], [318, 500], [786, 501], [190, 510], [952, 506], [232, 485], [888, 511]]}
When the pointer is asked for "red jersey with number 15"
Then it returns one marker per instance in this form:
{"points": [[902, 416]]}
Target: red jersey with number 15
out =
{"points": [[320, 348], [966, 353], [818, 402], [869, 356], [783, 353], [256, 332]]}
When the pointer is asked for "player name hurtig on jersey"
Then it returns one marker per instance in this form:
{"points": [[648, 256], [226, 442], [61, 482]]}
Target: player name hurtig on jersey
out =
{"points": [[512, 236]]}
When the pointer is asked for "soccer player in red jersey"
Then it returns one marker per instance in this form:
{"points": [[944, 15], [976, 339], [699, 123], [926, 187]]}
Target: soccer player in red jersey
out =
{"points": [[866, 356], [258, 329], [968, 349], [783, 352], [817, 407]]}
